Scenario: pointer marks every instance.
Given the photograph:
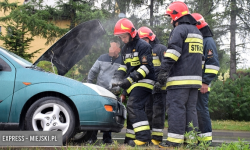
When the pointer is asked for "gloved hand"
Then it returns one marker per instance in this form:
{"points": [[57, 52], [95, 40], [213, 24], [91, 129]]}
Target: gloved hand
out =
{"points": [[157, 88], [125, 84], [115, 90], [162, 77]]}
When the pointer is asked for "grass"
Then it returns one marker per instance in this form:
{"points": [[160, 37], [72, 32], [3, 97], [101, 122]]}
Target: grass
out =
{"points": [[231, 125], [227, 125]]}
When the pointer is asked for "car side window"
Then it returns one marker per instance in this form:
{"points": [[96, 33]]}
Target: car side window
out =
{"points": [[5, 66]]}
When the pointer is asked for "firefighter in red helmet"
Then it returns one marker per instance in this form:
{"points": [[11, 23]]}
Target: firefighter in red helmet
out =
{"points": [[210, 69], [155, 107], [136, 76], [181, 71]]}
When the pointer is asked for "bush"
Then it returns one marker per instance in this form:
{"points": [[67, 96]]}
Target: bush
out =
{"points": [[230, 99]]}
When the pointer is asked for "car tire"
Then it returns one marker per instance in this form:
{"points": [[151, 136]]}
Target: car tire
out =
{"points": [[51, 114], [82, 136]]}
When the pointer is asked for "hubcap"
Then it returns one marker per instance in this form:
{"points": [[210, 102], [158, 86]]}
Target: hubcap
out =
{"points": [[56, 119]]}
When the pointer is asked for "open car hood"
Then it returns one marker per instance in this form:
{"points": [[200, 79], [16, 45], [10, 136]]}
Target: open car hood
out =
{"points": [[73, 46]]}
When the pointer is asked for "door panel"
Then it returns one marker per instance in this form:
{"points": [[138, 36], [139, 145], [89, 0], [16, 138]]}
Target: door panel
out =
{"points": [[7, 78]]}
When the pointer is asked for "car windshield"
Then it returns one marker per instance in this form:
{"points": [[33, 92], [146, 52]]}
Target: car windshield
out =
{"points": [[17, 58]]}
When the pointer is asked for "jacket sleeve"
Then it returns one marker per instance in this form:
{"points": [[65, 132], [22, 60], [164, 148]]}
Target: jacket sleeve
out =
{"points": [[212, 65], [174, 49], [93, 71]]}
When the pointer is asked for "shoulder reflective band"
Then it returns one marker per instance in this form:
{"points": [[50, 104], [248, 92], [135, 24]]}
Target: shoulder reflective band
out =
{"points": [[212, 69], [195, 48], [194, 40], [172, 53], [194, 35]]}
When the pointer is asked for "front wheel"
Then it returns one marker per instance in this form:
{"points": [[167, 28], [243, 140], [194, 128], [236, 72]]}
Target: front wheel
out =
{"points": [[51, 114]]}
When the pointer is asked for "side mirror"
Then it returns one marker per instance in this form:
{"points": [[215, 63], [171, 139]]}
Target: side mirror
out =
{"points": [[1, 67]]}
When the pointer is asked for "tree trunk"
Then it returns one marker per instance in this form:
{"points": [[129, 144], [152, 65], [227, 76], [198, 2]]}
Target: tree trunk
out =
{"points": [[72, 14], [151, 7], [232, 39]]}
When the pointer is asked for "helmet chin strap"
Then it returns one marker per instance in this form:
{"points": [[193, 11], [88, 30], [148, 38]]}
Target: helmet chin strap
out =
{"points": [[130, 38], [174, 22]]}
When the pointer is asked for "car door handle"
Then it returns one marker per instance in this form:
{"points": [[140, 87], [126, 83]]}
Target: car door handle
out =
{"points": [[1, 101]]}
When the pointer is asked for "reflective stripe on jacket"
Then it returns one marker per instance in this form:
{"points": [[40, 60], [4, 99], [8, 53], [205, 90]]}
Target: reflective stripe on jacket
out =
{"points": [[212, 65], [137, 55], [183, 58]]}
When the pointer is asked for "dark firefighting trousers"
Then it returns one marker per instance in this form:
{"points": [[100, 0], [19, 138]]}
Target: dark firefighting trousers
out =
{"points": [[204, 121], [137, 123], [181, 112], [155, 109]]}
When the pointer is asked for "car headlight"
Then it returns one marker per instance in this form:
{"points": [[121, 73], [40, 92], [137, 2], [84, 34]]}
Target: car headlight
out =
{"points": [[100, 90]]}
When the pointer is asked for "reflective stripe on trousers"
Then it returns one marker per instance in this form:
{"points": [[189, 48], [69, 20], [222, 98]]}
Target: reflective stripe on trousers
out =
{"points": [[157, 132], [130, 134], [206, 136], [140, 126], [175, 138]]}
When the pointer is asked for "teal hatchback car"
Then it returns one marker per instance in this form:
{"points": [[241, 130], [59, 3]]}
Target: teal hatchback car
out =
{"points": [[33, 99]]}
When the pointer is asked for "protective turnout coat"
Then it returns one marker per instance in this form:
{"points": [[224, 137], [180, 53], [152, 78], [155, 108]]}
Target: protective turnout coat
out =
{"points": [[137, 56], [183, 57]]}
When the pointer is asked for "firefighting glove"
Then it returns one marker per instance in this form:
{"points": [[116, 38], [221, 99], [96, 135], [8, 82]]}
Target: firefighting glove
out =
{"points": [[157, 88], [162, 77], [125, 84]]}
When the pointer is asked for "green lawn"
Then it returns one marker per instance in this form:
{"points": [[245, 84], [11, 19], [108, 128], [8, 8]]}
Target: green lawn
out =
{"points": [[227, 125]]}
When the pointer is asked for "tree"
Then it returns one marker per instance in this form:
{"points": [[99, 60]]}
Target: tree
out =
{"points": [[234, 19], [23, 23]]}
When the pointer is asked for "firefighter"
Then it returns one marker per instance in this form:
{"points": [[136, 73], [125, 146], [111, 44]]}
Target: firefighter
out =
{"points": [[156, 106], [136, 76], [210, 69], [181, 70]]}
